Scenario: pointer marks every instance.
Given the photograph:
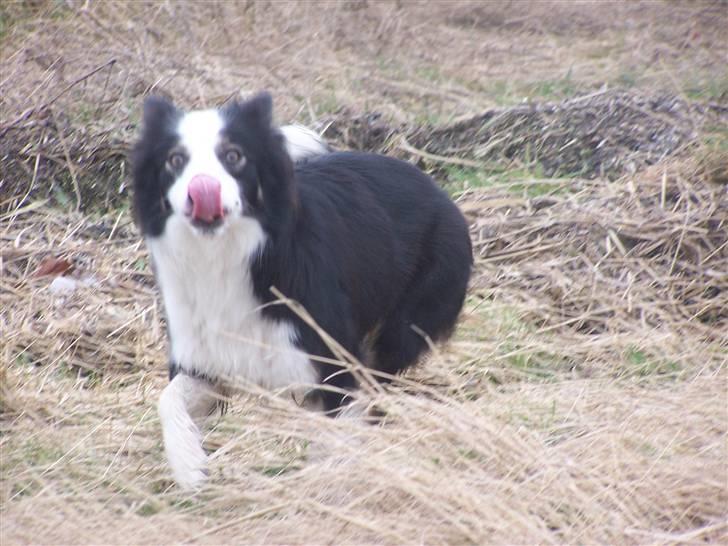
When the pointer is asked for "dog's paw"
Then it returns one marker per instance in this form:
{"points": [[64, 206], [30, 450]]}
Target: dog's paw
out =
{"points": [[191, 479], [186, 457], [189, 468]]}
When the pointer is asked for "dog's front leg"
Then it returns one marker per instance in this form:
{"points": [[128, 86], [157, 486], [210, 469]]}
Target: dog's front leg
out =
{"points": [[183, 406]]}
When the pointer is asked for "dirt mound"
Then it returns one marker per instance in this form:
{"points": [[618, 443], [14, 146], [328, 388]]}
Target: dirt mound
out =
{"points": [[608, 133], [602, 134]]}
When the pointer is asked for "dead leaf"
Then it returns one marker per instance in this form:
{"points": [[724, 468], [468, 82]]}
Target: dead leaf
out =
{"points": [[53, 266]]}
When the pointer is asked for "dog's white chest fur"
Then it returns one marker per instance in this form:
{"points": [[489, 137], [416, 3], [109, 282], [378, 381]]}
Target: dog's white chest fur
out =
{"points": [[214, 319]]}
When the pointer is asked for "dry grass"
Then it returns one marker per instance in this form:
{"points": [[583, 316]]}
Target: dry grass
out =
{"points": [[650, 249], [582, 401], [583, 398], [576, 461], [73, 74]]}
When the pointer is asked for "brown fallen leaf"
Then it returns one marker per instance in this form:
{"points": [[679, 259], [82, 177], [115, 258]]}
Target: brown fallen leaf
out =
{"points": [[53, 266]]}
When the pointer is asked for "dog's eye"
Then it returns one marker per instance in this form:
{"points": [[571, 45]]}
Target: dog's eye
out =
{"points": [[232, 156], [176, 160]]}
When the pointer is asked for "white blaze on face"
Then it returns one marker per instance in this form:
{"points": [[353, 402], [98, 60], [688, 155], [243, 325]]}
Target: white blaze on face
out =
{"points": [[214, 318], [200, 134]]}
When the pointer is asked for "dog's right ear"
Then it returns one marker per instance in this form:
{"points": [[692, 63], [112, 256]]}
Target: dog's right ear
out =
{"points": [[157, 111], [260, 109]]}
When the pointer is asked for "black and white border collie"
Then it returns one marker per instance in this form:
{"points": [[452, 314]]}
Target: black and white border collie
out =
{"points": [[377, 255]]}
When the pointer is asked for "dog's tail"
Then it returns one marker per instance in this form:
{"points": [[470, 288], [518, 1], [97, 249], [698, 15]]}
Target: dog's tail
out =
{"points": [[303, 143]]}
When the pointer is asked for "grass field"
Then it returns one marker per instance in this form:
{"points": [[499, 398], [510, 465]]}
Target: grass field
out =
{"points": [[584, 397]]}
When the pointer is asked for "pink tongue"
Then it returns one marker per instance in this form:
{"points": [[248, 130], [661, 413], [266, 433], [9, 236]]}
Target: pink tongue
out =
{"points": [[204, 192]]}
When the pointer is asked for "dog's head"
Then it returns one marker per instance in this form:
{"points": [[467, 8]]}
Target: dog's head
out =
{"points": [[209, 168]]}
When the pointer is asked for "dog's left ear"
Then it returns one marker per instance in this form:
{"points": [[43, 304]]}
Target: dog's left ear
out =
{"points": [[258, 110]]}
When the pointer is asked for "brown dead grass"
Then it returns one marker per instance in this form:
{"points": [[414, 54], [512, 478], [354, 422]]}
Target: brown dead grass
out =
{"points": [[583, 398], [577, 461], [649, 249], [73, 74]]}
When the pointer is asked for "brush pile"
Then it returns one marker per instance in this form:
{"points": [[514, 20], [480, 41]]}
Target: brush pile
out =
{"points": [[604, 134], [47, 157]]}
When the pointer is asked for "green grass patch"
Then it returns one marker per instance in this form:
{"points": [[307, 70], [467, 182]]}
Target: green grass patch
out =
{"points": [[531, 363], [517, 351], [430, 73], [540, 416], [507, 92], [640, 362], [32, 453], [147, 509], [715, 138], [708, 88], [524, 181], [26, 358], [13, 13], [274, 470], [553, 89], [41, 454], [627, 78], [326, 102], [433, 117]]}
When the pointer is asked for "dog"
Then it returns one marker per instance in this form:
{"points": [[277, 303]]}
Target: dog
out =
{"points": [[230, 206]]}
